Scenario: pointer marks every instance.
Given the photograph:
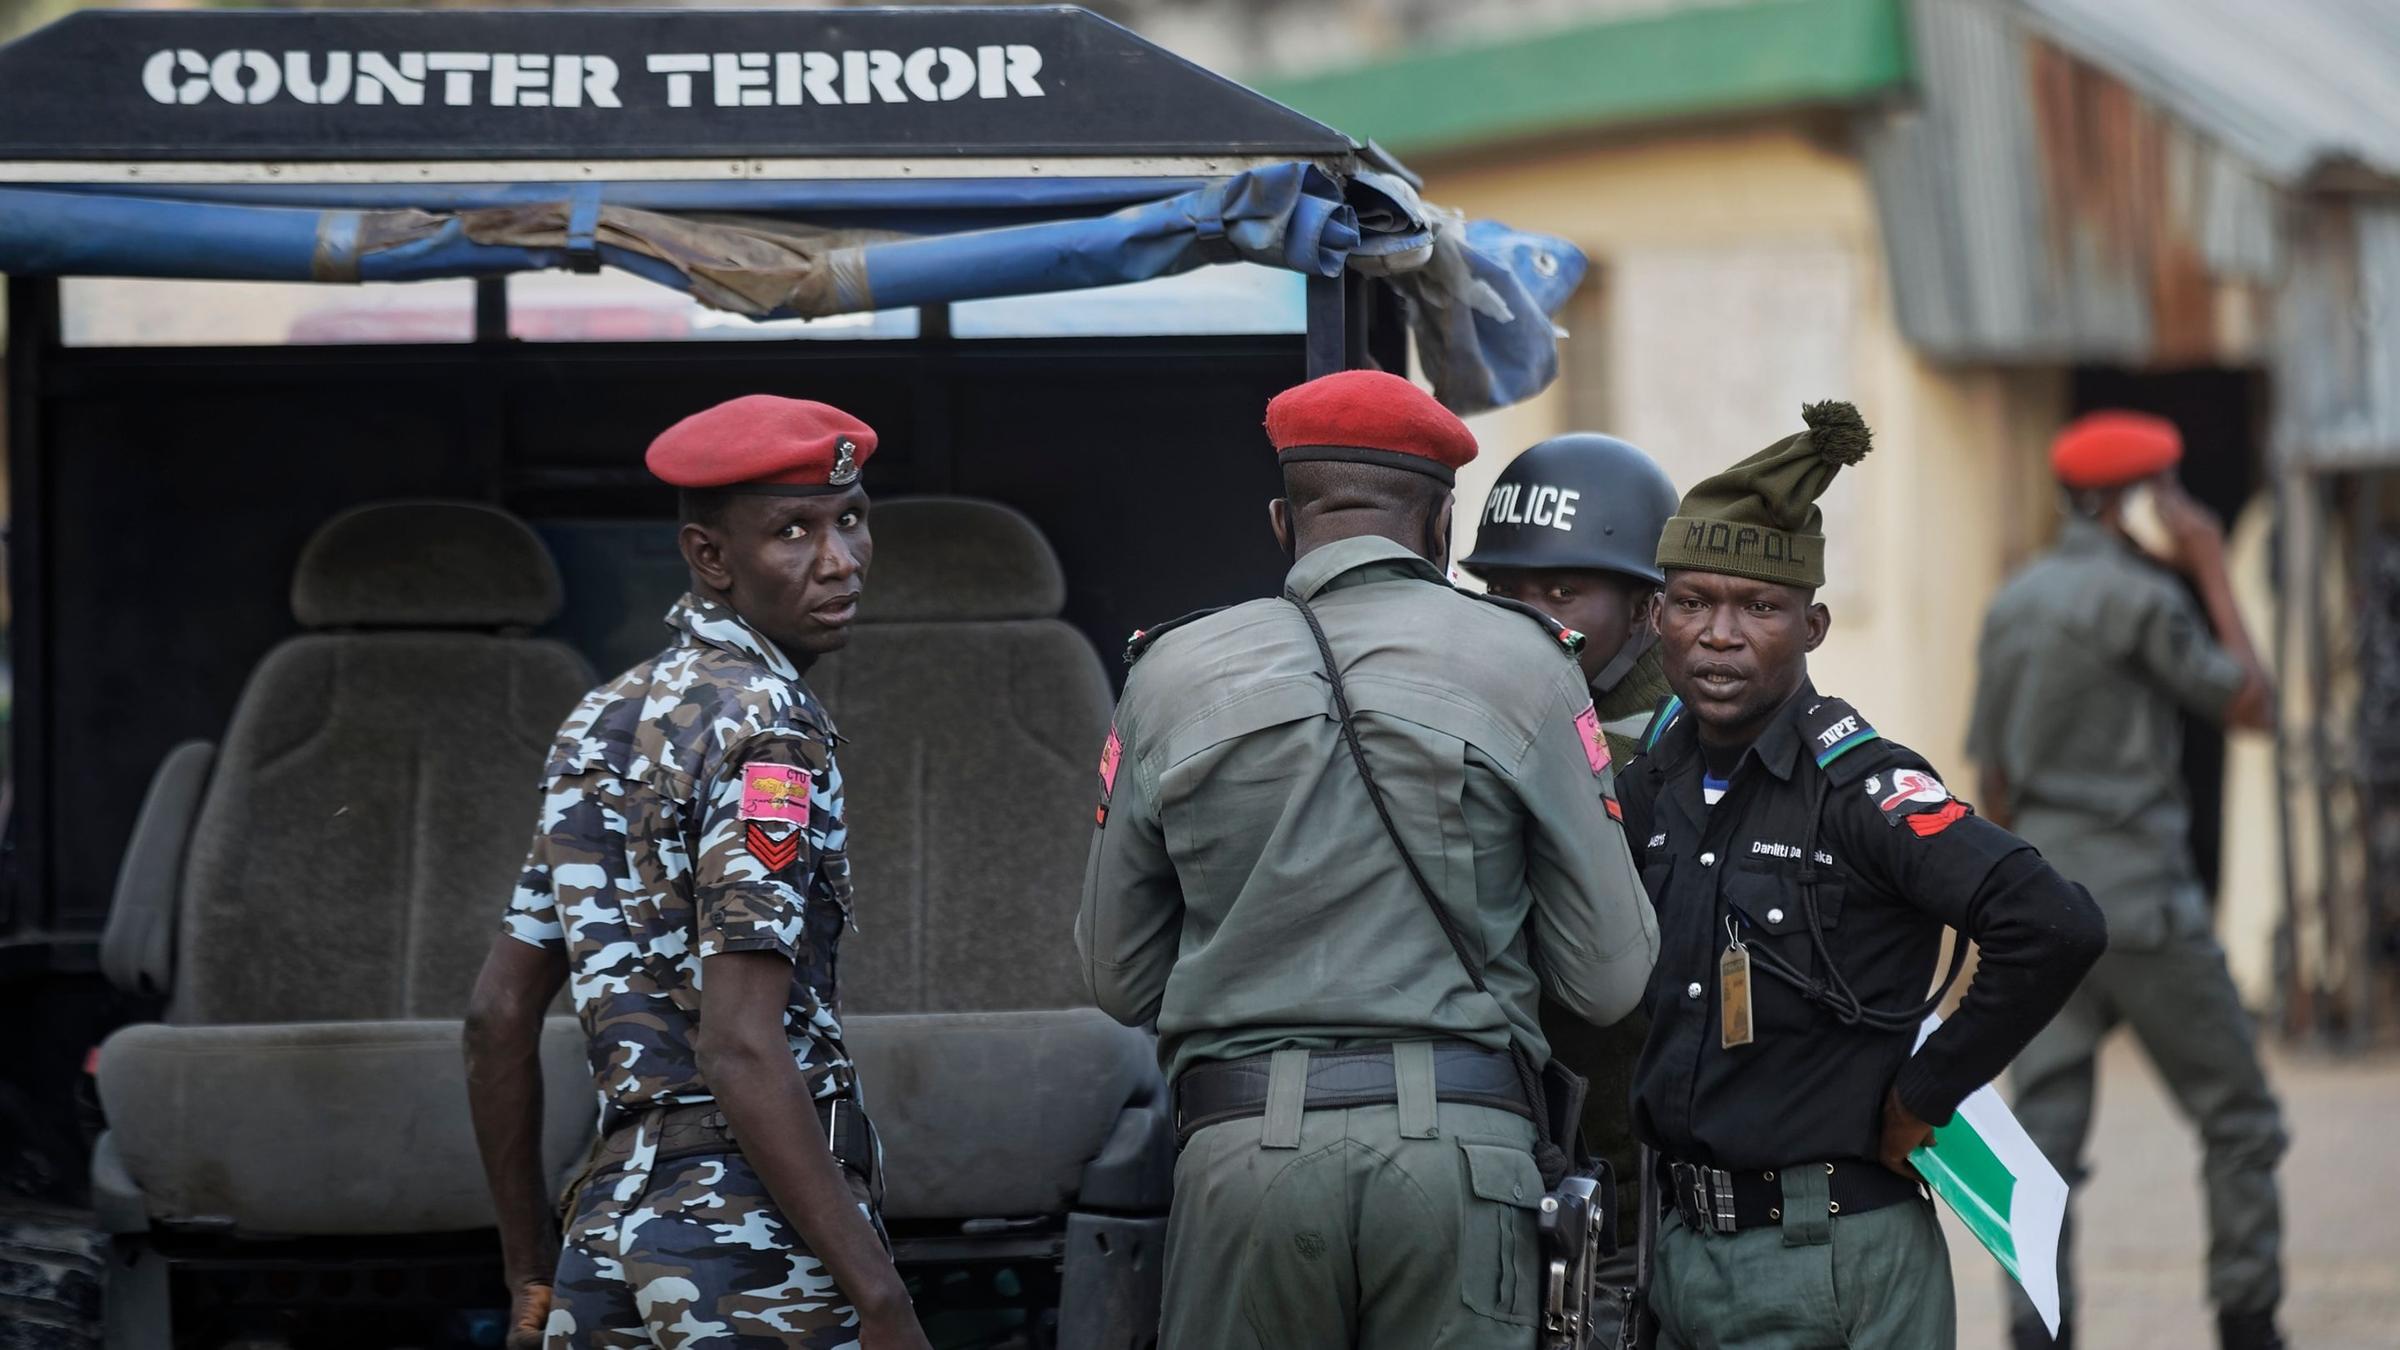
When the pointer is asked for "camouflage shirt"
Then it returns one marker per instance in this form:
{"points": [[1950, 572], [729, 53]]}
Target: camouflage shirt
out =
{"points": [[691, 806]]}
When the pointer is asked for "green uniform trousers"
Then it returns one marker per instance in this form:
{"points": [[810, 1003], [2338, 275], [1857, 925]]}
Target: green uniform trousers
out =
{"points": [[2180, 1001], [1873, 1281], [1395, 1228]]}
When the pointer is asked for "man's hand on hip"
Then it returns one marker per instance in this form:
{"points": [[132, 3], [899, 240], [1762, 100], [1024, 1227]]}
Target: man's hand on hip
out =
{"points": [[1903, 1134]]}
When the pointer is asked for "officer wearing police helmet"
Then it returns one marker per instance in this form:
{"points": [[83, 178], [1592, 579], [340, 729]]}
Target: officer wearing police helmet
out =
{"points": [[1572, 528]]}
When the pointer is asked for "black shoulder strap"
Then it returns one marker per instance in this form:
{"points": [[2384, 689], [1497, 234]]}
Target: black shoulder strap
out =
{"points": [[1143, 637], [1547, 1152], [1670, 711], [1561, 634], [1843, 744]]}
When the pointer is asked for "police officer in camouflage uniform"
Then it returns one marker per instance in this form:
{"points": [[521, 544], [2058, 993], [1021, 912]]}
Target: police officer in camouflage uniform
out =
{"points": [[1804, 868], [1571, 528], [1359, 1149], [2090, 659], [689, 877]]}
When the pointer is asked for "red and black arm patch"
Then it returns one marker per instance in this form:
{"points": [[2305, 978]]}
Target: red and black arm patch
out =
{"points": [[774, 812], [1595, 753], [1112, 755], [1915, 798]]}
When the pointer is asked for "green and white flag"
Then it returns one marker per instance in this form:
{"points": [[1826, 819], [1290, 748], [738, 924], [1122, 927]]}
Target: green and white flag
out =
{"points": [[1987, 1169]]}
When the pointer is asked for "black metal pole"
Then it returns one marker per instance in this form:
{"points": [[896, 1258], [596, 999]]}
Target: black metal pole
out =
{"points": [[1328, 324], [33, 330]]}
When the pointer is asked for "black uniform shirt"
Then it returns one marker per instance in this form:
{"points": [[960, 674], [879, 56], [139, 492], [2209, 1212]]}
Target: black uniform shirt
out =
{"points": [[1896, 859]]}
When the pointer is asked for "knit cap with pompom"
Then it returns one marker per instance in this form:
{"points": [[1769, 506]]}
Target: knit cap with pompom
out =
{"points": [[1759, 519]]}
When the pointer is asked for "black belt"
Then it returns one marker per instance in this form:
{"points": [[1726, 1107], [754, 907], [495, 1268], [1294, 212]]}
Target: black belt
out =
{"points": [[1213, 1093], [1713, 1200], [695, 1128]]}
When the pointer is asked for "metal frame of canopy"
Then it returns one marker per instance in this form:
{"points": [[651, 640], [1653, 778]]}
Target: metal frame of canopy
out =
{"points": [[133, 102]]}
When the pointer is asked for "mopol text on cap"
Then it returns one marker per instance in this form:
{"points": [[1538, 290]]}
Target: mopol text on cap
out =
{"points": [[2111, 449], [785, 447], [1368, 417]]}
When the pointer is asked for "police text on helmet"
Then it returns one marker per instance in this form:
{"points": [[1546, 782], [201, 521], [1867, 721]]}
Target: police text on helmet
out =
{"points": [[536, 80], [1532, 504]]}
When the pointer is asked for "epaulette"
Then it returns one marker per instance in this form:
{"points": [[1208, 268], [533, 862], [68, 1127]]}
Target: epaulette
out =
{"points": [[1565, 637], [1669, 711], [1837, 736], [1143, 637]]}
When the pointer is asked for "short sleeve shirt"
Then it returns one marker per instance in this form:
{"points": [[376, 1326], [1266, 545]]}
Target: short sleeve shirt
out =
{"points": [[2090, 657], [691, 806]]}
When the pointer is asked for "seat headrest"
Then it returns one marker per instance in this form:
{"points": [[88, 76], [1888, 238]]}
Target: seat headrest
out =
{"points": [[958, 558], [425, 565]]}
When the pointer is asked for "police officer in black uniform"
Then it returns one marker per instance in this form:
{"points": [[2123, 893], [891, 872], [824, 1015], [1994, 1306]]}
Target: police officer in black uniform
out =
{"points": [[1571, 528], [1803, 868]]}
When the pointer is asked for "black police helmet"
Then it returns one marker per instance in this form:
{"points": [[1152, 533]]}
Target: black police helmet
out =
{"points": [[1581, 500]]}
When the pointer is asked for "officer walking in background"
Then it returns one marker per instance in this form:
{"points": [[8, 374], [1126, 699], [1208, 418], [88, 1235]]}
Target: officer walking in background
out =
{"points": [[1804, 868], [2090, 658], [1344, 971], [689, 872], [1571, 528]]}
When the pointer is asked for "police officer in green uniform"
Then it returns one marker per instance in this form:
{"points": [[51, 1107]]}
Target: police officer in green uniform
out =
{"points": [[1804, 868], [1350, 1049], [1571, 528], [2090, 659], [689, 878]]}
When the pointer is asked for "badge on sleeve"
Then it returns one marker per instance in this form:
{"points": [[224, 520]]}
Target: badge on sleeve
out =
{"points": [[1595, 753], [1916, 797], [774, 812], [1595, 740], [1111, 755], [775, 792]]}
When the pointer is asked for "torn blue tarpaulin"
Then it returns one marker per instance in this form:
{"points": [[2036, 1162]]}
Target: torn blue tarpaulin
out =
{"points": [[1484, 331]]}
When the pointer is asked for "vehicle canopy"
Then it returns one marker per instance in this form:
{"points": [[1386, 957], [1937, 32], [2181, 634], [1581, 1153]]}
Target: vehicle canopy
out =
{"points": [[1057, 269], [775, 165]]}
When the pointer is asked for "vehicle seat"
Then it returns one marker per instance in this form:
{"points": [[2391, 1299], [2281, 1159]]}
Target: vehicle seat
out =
{"points": [[314, 905], [972, 718]]}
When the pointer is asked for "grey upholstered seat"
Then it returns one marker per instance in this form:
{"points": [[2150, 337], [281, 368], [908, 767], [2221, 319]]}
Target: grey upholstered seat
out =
{"points": [[972, 719], [330, 886]]}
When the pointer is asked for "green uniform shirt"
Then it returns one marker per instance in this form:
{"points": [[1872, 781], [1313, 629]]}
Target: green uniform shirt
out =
{"points": [[1241, 890], [2088, 656], [1606, 1055]]}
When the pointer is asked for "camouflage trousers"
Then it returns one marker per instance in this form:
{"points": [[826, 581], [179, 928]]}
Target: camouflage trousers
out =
{"points": [[692, 1251]]}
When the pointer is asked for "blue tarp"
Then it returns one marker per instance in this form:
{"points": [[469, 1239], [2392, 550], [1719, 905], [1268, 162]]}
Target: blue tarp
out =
{"points": [[1480, 297]]}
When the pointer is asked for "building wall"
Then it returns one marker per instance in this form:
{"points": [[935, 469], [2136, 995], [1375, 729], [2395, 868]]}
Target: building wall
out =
{"points": [[1737, 272]]}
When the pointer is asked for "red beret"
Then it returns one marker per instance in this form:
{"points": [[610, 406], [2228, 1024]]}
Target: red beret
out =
{"points": [[2111, 449], [1370, 417], [760, 443]]}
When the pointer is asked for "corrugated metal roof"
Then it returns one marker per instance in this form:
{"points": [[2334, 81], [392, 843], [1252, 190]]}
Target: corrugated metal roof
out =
{"points": [[2159, 182], [2036, 207], [2296, 87]]}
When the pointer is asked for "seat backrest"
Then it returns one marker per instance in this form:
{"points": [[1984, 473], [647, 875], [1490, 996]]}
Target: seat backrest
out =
{"points": [[377, 785], [972, 718]]}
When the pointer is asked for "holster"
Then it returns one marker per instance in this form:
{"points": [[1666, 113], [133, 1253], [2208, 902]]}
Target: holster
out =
{"points": [[1564, 1092], [1579, 1229]]}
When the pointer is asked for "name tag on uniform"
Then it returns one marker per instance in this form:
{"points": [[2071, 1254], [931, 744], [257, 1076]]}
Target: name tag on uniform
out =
{"points": [[1733, 997]]}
